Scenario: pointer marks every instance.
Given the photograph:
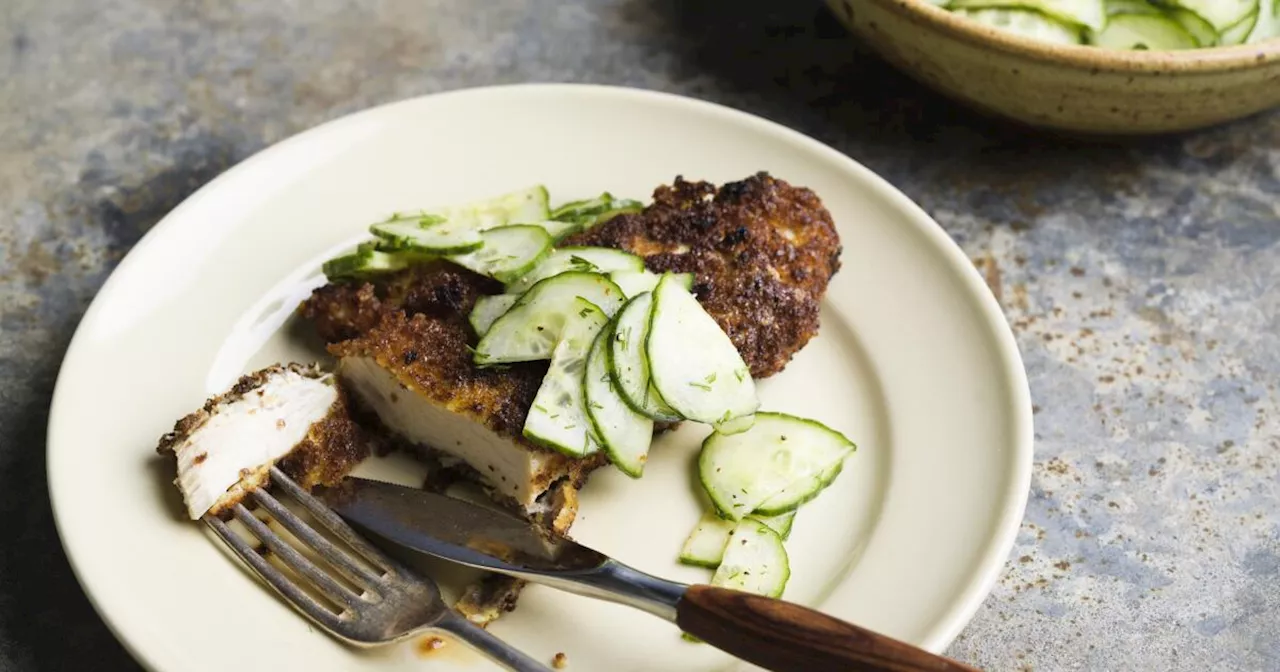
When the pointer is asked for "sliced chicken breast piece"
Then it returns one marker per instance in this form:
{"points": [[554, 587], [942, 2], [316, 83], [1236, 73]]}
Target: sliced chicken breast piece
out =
{"points": [[416, 375], [295, 416]]}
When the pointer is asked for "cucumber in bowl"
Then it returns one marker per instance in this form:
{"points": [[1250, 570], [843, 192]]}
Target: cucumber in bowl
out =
{"points": [[1091, 14], [1027, 24], [1129, 24]]}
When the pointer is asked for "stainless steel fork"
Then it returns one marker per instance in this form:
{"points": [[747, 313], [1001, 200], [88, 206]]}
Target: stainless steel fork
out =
{"points": [[389, 604]]}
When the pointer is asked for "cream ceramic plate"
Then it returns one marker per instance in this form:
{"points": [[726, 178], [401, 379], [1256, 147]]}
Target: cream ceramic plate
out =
{"points": [[914, 361]]}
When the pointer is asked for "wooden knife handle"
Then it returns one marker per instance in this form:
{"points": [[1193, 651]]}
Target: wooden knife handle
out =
{"points": [[786, 637]]}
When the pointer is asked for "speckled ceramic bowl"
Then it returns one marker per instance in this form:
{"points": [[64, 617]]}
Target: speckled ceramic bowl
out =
{"points": [[1080, 89]]}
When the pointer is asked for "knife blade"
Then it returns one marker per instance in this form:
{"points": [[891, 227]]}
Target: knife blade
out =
{"points": [[454, 529], [495, 540]]}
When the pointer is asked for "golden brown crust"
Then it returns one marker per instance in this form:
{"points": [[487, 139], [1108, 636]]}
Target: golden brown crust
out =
{"points": [[333, 447], [432, 356], [414, 323], [561, 504], [762, 252], [487, 599], [439, 290], [339, 311]]}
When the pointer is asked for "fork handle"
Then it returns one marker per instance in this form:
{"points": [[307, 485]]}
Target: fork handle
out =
{"points": [[500, 652], [787, 637]]}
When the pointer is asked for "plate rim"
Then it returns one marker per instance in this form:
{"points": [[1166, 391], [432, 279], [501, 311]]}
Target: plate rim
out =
{"points": [[996, 550]]}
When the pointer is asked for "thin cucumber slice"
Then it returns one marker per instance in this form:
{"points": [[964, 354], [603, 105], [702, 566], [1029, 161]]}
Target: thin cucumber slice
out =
{"points": [[558, 418], [456, 229], [589, 259], [426, 233], [1240, 32], [780, 523], [1144, 31], [530, 330], [593, 211], [637, 282], [447, 231], [736, 425], [754, 561], [1026, 23], [801, 492], [630, 366], [1088, 13], [488, 309], [367, 260], [558, 230], [1199, 29], [706, 543], [584, 208], [694, 366], [625, 207], [508, 252], [517, 207], [1221, 14], [1131, 7], [740, 472], [624, 434], [1268, 25]]}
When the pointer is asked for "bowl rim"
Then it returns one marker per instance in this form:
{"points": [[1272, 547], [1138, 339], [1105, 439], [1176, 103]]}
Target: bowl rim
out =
{"points": [[1202, 61]]}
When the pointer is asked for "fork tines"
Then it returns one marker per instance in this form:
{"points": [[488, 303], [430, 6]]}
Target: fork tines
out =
{"points": [[369, 582]]}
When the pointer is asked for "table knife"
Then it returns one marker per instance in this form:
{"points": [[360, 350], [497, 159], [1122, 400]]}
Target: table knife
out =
{"points": [[774, 634]]}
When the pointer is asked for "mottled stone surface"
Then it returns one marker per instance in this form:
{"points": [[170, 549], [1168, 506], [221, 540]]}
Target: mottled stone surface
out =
{"points": [[1142, 277]]}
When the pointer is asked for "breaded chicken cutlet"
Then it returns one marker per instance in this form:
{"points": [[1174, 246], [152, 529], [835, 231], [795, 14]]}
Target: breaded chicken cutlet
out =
{"points": [[403, 348], [761, 251]]}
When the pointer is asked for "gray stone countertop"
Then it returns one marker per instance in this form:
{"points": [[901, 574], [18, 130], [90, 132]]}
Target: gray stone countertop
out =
{"points": [[1142, 278]]}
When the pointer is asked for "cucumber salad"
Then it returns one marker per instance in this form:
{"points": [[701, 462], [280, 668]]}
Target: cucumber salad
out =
{"points": [[1129, 24], [626, 348]]}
